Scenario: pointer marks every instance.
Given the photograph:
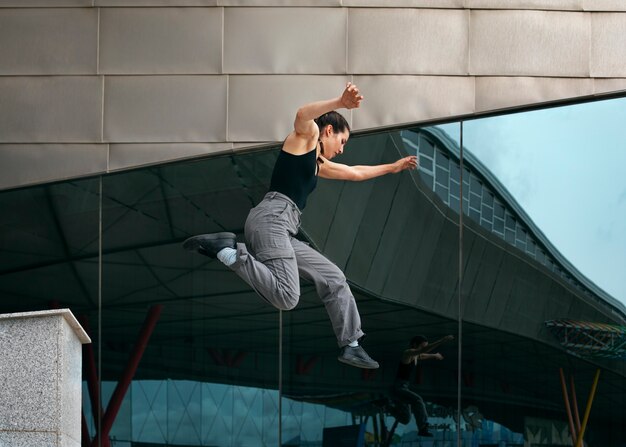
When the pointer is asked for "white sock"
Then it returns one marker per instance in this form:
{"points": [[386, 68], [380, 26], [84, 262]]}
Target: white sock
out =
{"points": [[354, 344], [227, 255]]}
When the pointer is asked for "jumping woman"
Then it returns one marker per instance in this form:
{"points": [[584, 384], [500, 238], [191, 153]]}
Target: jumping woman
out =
{"points": [[272, 260]]}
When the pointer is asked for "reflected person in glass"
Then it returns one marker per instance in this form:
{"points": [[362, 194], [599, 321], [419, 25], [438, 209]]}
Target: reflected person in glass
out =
{"points": [[273, 260], [404, 396]]}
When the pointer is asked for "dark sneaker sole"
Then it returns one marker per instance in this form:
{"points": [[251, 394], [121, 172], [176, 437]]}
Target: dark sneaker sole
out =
{"points": [[194, 243], [358, 363]]}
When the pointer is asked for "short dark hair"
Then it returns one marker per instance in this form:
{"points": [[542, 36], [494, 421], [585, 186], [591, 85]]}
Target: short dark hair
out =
{"points": [[418, 340], [333, 118]]}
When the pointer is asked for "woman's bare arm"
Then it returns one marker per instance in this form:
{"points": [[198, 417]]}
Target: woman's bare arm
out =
{"points": [[338, 171], [305, 130], [412, 355], [439, 342]]}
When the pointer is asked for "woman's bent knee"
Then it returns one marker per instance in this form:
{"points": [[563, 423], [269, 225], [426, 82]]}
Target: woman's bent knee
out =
{"points": [[288, 301]]}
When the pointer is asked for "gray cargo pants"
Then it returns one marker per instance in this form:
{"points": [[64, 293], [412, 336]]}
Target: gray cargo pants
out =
{"points": [[404, 395], [273, 261]]}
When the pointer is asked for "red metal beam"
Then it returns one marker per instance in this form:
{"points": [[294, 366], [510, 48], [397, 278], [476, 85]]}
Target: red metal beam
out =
{"points": [[84, 431], [304, 367], [238, 359], [131, 368], [91, 373], [592, 393], [574, 403], [225, 357], [567, 406]]}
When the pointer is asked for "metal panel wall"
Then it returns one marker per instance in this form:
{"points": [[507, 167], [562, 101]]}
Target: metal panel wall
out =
{"points": [[179, 79]]}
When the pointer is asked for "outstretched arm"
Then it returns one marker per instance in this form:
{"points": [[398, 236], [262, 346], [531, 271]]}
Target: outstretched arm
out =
{"points": [[436, 344], [305, 130], [413, 355], [338, 171]]}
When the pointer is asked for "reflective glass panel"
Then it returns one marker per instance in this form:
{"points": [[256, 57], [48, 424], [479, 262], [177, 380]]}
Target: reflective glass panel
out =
{"points": [[395, 238], [208, 374], [543, 289], [49, 258], [49, 247]]}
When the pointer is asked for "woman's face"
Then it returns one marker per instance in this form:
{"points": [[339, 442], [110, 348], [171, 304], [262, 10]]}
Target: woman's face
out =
{"points": [[334, 142], [421, 345]]}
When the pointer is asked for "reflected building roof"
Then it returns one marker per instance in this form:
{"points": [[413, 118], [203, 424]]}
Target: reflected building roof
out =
{"points": [[487, 202]]}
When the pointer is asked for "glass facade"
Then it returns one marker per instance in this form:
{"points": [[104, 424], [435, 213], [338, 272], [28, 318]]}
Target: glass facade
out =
{"points": [[185, 353]]}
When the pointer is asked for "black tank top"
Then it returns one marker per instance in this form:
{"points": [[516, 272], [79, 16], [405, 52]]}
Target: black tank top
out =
{"points": [[404, 371], [295, 176]]}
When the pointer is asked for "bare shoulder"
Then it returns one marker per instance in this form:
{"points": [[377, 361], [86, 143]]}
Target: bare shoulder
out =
{"points": [[298, 144], [329, 169]]}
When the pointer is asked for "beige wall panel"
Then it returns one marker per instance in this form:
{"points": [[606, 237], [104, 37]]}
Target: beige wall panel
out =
{"points": [[609, 85], [404, 99], [408, 41], [493, 93], [155, 3], [604, 5], [142, 109], [529, 43], [122, 156], [48, 41], [285, 40], [44, 3], [608, 45], [262, 108], [256, 3], [160, 40], [558, 5], [405, 3], [50, 109], [26, 164]]}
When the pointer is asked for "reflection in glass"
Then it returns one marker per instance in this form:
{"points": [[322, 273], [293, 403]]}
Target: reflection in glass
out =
{"points": [[182, 412], [395, 239], [542, 161], [49, 255], [529, 177], [208, 375], [49, 247]]}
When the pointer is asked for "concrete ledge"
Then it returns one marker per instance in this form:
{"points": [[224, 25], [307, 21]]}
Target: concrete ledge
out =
{"points": [[67, 315], [40, 378]]}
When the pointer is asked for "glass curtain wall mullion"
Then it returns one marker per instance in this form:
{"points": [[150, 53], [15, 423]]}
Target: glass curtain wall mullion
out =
{"points": [[460, 295], [100, 281]]}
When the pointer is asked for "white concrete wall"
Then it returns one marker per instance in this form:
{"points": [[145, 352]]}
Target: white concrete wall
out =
{"points": [[89, 86]]}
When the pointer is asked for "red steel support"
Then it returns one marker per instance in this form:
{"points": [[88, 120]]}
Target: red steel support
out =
{"points": [[122, 386], [304, 367], [592, 394], [567, 407], [84, 431], [574, 403], [387, 442], [91, 373]]}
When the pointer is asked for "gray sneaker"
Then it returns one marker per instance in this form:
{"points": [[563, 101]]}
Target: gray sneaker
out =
{"points": [[357, 357], [210, 244]]}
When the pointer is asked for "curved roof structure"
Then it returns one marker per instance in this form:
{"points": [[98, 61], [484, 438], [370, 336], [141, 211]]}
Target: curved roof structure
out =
{"points": [[535, 243]]}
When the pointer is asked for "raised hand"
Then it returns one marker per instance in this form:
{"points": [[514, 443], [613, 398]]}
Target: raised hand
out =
{"points": [[410, 162], [350, 97]]}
